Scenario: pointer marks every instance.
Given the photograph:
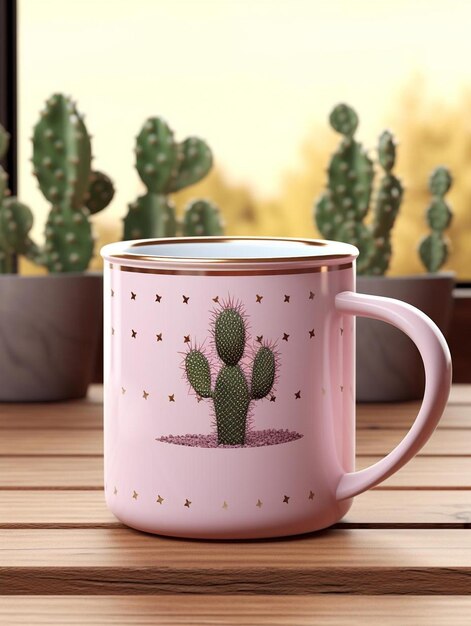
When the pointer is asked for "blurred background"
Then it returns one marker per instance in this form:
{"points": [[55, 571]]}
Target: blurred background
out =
{"points": [[257, 79]]}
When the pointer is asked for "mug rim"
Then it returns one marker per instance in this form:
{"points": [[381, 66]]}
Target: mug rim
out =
{"points": [[331, 251]]}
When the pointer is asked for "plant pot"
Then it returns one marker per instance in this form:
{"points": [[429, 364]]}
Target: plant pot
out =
{"points": [[49, 332], [389, 368]]}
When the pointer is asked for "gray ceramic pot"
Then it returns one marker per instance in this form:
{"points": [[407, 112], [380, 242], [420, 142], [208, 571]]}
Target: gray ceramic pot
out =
{"points": [[389, 368], [49, 333]]}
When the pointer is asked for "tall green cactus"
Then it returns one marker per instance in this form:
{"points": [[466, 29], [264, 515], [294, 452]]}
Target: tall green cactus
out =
{"points": [[340, 212], [166, 166], [62, 164], [433, 249], [16, 219], [233, 392]]}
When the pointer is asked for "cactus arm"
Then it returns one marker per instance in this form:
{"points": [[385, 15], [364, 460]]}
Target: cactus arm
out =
{"points": [[433, 251], [16, 221], [4, 141], [62, 153], [433, 248], [202, 218], [263, 373], [157, 156], [195, 161], [198, 373], [100, 192], [4, 191], [69, 241], [151, 215]]}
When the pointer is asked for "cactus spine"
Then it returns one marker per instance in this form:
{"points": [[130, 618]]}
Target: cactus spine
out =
{"points": [[433, 249], [233, 392], [62, 164], [16, 218], [341, 210], [166, 166]]}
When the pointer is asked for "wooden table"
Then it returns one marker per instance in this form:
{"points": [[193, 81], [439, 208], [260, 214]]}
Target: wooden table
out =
{"points": [[401, 556]]}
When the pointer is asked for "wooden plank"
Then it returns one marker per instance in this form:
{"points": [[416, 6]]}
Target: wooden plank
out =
{"points": [[47, 442], [427, 473], [87, 473], [51, 472], [245, 610], [108, 561], [86, 413], [370, 442], [386, 416], [460, 394], [444, 442], [55, 509], [373, 509]]}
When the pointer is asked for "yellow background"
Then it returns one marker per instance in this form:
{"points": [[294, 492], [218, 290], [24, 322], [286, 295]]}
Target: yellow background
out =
{"points": [[257, 79]]}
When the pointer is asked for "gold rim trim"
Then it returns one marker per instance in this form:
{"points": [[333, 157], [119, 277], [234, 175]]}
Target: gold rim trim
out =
{"points": [[301, 270], [316, 243]]}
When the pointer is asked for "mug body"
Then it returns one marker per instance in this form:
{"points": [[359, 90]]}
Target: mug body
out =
{"points": [[229, 385]]}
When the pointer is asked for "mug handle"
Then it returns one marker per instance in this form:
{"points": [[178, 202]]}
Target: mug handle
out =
{"points": [[437, 364]]}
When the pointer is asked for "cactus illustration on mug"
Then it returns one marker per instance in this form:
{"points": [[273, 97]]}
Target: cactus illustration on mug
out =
{"points": [[234, 390], [165, 166]]}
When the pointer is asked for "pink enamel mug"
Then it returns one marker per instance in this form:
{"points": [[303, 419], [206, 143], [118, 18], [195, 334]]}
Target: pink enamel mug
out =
{"points": [[230, 385]]}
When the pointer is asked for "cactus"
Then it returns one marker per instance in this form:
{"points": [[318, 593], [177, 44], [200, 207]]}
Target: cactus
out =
{"points": [[233, 392], [201, 217], [433, 249], [16, 219], [166, 166], [342, 209], [62, 163]]}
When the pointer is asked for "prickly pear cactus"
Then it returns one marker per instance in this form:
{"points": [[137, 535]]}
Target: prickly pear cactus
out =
{"points": [[340, 212], [233, 390], [62, 164], [16, 219], [433, 249], [201, 217], [166, 166]]}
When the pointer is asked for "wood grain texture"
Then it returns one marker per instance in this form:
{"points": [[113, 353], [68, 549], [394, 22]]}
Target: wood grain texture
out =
{"points": [[51, 472], [87, 473], [86, 413], [373, 509], [181, 610], [116, 561], [386, 416], [47, 442], [82, 442], [460, 394]]}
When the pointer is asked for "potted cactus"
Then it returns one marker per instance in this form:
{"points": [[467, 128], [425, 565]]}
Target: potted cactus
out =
{"points": [[165, 167], [388, 365], [50, 325]]}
